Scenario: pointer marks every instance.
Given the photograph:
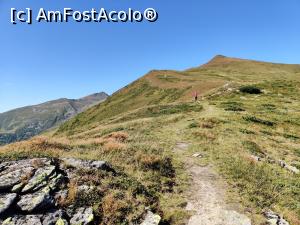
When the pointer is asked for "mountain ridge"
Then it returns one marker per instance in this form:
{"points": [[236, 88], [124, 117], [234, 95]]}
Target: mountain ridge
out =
{"points": [[169, 86], [25, 122]]}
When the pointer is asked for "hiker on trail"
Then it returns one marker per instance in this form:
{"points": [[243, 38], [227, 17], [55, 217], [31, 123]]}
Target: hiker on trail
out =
{"points": [[195, 96]]}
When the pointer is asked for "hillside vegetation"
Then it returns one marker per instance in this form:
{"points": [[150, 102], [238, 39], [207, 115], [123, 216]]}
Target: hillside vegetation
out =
{"points": [[252, 139], [23, 123]]}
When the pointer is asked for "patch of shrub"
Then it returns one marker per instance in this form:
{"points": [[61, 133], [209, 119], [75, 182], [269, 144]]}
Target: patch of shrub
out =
{"points": [[193, 125], [210, 123], [118, 136], [205, 135], [207, 125], [291, 136], [233, 106], [113, 146], [253, 148], [167, 169], [150, 161], [91, 197], [297, 152], [250, 89], [153, 162], [293, 121], [115, 197], [115, 208], [266, 132], [111, 130], [172, 109], [168, 78], [245, 131], [254, 119], [269, 107]]}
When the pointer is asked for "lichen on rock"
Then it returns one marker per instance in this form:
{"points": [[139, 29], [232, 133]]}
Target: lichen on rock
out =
{"points": [[31, 191]]}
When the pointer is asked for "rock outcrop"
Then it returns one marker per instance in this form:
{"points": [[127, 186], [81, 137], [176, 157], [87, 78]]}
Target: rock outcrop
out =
{"points": [[6, 201], [151, 219], [280, 163], [274, 218], [30, 191]]}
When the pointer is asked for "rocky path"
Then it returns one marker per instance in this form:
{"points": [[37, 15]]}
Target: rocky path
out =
{"points": [[207, 200], [207, 197]]}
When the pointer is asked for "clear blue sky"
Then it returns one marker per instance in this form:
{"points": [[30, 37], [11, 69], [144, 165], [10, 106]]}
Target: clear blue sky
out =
{"points": [[48, 61]]}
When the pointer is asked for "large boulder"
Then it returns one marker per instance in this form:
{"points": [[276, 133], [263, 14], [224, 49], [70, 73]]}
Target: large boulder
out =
{"points": [[15, 174], [10, 179], [10, 166], [83, 216], [41, 200], [56, 218], [41, 175], [86, 164], [35, 191], [6, 201], [23, 220]]}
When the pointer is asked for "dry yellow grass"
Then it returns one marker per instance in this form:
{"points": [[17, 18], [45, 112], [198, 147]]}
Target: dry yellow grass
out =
{"points": [[72, 193], [112, 145]]}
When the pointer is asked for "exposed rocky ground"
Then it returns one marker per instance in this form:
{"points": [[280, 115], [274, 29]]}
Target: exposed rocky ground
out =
{"points": [[33, 190], [274, 218], [281, 163], [37, 191]]}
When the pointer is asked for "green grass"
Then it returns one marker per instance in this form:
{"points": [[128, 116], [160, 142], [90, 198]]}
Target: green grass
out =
{"points": [[233, 106], [156, 112], [161, 110], [255, 119], [253, 148], [139, 94]]}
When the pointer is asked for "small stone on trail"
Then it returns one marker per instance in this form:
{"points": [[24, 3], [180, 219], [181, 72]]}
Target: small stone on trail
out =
{"points": [[255, 158], [197, 155]]}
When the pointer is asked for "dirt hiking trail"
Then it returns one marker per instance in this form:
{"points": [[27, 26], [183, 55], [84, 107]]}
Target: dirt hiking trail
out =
{"points": [[206, 197]]}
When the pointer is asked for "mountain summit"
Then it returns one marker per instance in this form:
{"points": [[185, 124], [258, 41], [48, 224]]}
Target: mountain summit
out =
{"points": [[23, 123]]}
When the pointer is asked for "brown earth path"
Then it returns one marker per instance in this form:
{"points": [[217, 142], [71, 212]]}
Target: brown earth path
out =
{"points": [[207, 195]]}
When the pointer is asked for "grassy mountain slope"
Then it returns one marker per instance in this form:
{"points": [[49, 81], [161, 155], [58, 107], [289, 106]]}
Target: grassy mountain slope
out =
{"points": [[165, 87], [137, 128], [23, 123]]}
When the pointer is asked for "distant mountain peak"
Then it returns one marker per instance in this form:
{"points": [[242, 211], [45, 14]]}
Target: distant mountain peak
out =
{"points": [[25, 122], [221, 59], [95, 95]]}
